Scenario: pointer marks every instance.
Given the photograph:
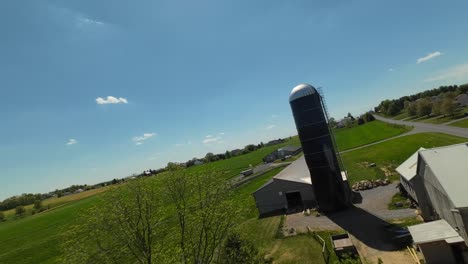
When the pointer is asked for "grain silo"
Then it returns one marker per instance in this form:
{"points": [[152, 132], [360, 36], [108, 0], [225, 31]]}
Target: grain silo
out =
{"points": [[330, 184]]}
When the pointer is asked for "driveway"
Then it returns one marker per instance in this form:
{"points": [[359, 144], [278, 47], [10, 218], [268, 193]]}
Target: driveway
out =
{"points": [[426, 127]]}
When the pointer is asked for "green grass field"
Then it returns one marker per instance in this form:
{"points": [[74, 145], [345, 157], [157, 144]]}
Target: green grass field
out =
{"points": [[347, 138], [36, 239], [462, 123], [388, 155]]}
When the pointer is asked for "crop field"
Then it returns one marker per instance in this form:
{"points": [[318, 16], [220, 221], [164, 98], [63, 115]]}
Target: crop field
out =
{"points": [[347, 138], [388, 155], [60, 201]]}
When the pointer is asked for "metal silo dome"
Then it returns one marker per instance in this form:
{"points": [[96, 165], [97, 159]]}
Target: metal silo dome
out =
{"points": [[301, 90]]}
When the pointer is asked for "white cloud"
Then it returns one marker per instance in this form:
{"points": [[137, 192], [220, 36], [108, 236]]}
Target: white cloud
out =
{"points": [[429, 56], [209, 140], [139, 140], [71, 141], [390, 70], [270, 127], [454, 74], [221, 133], [111, 100], [86, 21], [209, 136]]}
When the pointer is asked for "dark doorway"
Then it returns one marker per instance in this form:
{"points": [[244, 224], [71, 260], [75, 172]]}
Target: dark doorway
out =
{"points": [[294, 200]]}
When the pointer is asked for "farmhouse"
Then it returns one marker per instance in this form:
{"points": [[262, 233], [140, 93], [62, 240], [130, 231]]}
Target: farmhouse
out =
{"points": [[440, 185], [289, 189]]}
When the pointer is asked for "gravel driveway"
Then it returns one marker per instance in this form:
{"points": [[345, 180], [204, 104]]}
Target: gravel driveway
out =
{"points": [[374, 202]]}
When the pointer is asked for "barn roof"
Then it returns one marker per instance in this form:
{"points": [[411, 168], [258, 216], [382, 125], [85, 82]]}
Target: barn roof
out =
{"points": [[408, 168], [290, 148], [450, 165]]}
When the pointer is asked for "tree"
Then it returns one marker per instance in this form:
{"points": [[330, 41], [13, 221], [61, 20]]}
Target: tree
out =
{"points": [[227, 154], [238, 250], [368, 117], [332, 122], [410, 108], [126, 226], [360, 121], [250, 147], [2, 216], [37, 204], [392, 109], [424, 107], [437, 107], [350, 116], [205, 214], [448, 107], [20, 210]]}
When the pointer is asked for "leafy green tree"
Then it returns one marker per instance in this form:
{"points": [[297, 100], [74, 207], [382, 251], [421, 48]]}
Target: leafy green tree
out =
{"points": [[392, 109], [205, 213], [128, 225], [37, 204], [424, 107], [239, 250], [227, 154], [437, 107], [448, 107], [20, 210]]}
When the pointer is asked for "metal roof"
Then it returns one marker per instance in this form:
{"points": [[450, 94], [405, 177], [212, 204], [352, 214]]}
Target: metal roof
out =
{"points": [[297, 172], [450, 166], [434, 231], [301, 90], [290, 148], [408, 168]]}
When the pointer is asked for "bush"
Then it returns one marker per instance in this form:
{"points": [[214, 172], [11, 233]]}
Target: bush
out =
{"points": [[20, 210], [37, 204], [238, 250], [2, 216]]}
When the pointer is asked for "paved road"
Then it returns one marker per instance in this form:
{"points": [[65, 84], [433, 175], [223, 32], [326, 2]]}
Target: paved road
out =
{"points": [[426, 127]]}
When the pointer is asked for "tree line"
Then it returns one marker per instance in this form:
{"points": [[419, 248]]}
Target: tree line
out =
{"points": [[435, 101]]}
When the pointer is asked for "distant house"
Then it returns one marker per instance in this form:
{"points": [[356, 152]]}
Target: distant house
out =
{"points": [[79, 191], [275, 142], [462, 99], [440, 186], [282, 153]]}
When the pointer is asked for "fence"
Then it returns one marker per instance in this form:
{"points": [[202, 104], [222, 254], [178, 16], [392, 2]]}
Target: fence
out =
{"points": [[320, 240]]}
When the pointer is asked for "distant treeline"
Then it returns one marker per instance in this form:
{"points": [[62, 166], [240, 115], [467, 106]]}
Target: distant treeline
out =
{"points": [[24, 199], [422, 104]]}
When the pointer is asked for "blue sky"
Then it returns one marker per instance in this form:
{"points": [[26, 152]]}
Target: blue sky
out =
{"points": [[189, 77]]}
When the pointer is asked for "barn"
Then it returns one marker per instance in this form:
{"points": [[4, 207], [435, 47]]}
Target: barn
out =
{"points": [[290, 189]]}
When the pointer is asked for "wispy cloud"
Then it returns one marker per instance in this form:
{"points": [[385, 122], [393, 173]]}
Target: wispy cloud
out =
{"points": [[456, 73], [139, 140], [111, 100], [71, 141], [86, 21], [429, 56], [211, 139], [221, 133], [270, 127], [390, 70]]}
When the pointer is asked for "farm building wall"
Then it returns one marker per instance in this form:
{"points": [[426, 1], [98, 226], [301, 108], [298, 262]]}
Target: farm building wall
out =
{"points": [[272, 197], [438, 252]]}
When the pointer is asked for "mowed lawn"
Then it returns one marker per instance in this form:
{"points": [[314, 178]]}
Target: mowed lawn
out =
{"points": [[461, 123], [390, 154], [347, 138]]}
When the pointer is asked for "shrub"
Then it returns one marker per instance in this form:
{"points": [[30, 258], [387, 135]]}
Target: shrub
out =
{"points": [[238, 250], [20, 210], [37, 204], [2, 216]]}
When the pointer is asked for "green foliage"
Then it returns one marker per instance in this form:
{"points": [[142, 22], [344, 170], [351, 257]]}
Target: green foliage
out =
{"points": [[19, 210], [2, 216], [424, 107], [448, 107], [279, 231], [37, 204], [392, 109], [240, 250], [128, 226]]}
